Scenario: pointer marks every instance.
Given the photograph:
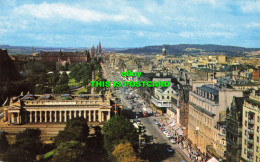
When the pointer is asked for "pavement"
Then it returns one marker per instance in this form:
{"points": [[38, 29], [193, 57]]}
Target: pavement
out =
{"points": [[158, 150]]}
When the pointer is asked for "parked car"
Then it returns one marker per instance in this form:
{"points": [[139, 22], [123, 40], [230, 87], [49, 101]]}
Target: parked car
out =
{"points": [[169, 149], [165, 132], [173, 141], [163, 129], [168, 136]]}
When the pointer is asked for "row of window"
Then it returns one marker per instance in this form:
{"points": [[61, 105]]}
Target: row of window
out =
{"points": [[257, 140], [258, 118], [166, 97], [256, 157]]}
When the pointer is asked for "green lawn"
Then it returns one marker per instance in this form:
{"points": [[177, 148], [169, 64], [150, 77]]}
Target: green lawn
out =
{"points": [[83, 89], [72, 82], [48, 154]]}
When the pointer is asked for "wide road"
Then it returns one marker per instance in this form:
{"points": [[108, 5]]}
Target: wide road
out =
{"points": [[158, 151], [152, 129]]}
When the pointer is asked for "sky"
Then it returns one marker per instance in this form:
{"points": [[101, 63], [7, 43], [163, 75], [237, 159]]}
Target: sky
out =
{"points": [[129, 23]]}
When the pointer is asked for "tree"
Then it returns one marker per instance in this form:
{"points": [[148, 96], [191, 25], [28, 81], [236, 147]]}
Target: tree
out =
{"points": [[41, 89], [124, 152], [3, 143], [54, 78], [71, 151], [14, 154], [62, 89], [76, 129], [64, 79], [26, 146], [117, 129]]}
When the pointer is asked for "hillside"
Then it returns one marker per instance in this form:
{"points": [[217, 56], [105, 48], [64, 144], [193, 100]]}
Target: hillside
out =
{"points": [[190, 48]]}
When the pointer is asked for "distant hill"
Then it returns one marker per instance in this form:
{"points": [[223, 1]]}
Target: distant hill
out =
{"points": [[189, 48], [30, 50]]}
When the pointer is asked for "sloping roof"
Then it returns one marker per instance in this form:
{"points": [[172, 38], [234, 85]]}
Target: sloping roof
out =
{"points": [[162, 89], [209, 89]]}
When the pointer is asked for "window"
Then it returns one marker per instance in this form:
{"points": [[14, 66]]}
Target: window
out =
{"points": [[257, 129], [162, 97], [245, 123], [245, 141], [257, 139], [167, 97], [257, 148], [246, 114], [258, 119], [245, 132], [168, 91], [244, 151], [256, 158]]}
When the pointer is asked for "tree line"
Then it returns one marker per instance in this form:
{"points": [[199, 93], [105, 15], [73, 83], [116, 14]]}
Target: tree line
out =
{"points": [[117, 141]]}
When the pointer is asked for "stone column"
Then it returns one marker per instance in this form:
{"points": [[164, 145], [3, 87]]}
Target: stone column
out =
{"points": [[60, 116], [108, 117], [80, 113], [18, 118], [35, 115], [70, 114], [30, 116], [75, 114], [94, 115], [40, 116], [55, 116], [51, 116], [65, 118], [89, 116], [99, 115], [45, 116], [12, 118], [85, 112]]}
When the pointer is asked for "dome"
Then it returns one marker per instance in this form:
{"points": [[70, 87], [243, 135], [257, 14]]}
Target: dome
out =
{"points": [[163, 51]]}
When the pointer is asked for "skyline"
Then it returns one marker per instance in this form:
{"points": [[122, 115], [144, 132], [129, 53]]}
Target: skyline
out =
{"points": [[122, 24]]}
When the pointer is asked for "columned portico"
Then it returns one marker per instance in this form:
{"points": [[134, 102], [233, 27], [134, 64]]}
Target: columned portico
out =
{"points": [[37, 110]]}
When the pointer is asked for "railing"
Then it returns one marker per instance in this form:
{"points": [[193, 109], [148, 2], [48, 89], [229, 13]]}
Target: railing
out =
{"points": [[251, 131], [251, 121], [250, 141], [250, 150]]}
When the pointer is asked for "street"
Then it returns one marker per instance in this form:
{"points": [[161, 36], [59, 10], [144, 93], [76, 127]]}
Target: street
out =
{"points": [[158, 150]]}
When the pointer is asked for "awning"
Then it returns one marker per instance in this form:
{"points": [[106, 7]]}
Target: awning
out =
{"points": [[179, 131], [172, 124], [213, 159]]}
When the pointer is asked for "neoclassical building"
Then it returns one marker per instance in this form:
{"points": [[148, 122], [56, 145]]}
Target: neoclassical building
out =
{"points": [[57, 108]]}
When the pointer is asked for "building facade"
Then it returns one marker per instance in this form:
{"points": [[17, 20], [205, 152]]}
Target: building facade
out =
{"points": [[250, 131], [234, 129], [72, 57], [207, 107], [56, 108]]}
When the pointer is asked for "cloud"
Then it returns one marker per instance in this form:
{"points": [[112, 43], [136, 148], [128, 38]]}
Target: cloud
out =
{"points": [[250, 6], [208, 34], [253, 25], [59, 10]]}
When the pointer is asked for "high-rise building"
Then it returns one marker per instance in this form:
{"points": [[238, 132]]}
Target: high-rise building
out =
{"points": [[250, 131]]}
